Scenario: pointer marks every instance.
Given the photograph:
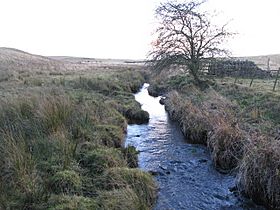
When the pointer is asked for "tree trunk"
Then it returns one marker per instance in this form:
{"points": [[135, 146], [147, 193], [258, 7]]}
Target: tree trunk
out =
{"points": [[194, 69]]}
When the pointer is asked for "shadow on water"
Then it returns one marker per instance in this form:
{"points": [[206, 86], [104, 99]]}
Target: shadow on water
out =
{"points": [[184, 172]]}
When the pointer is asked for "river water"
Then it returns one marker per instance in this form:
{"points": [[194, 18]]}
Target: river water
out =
{"points": [[184, 172]]}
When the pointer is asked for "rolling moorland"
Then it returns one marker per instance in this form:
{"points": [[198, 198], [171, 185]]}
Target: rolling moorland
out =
{"points": [[63, 122], [62, 127]]}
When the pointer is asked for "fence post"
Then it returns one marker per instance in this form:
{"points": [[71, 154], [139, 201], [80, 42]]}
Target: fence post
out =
{"points": [[252, 81], [237, 69], [276, 79], [253, 76]]}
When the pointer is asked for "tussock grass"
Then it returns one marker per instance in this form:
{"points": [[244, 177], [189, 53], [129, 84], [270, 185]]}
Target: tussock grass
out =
{"points": [[240, 126], [66, 182], [205, 120], [131, 156], [100, 159], [193, 121], [54, 112], [70, 202], [119, 199], [19, 177], [58, 140], [226, 143], [259, 175], [139, 181], [109, 135]]}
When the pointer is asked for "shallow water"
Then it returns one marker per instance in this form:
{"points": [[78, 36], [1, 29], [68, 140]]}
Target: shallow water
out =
{"points": [[184, 172]]}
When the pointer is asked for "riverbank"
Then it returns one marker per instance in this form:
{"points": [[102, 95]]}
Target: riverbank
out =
{"points": [[239, 126], [184, 172], [62, 140]]}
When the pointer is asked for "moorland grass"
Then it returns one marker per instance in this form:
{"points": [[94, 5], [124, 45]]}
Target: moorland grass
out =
{"points": [[239, 124], [59, 139]]}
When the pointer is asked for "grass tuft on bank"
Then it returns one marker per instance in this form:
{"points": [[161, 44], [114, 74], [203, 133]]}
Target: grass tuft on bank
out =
{"points": [[240, 126], [59, 140]]}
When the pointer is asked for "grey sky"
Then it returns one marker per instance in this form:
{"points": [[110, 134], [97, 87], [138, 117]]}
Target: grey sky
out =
{"points": [[122, 29]]}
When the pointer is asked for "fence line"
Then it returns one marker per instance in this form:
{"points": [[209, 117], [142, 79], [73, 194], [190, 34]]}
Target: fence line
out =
{"points": [[243, 70], [276, 79]]}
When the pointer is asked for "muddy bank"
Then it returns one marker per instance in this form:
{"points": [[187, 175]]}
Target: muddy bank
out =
{"points": [[185, 173]]}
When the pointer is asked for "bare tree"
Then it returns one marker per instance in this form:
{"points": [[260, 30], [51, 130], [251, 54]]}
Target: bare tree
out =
{"points": [[186, 37]]}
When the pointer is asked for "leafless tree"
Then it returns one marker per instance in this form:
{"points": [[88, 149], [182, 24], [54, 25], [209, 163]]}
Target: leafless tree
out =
{"points": [[186, 37]]}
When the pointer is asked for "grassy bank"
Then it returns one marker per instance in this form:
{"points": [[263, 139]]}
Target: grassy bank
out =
{"points": [[240, 126], [61, 141]]}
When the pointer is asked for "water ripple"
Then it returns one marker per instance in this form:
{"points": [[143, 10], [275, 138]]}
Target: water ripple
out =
{"points": [[184, 172]]}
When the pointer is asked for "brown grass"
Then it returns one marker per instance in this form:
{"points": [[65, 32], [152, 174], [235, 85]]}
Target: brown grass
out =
{"points": [[193, 121], [226, 143], [208, 118], [242, 128], [259, 171]]}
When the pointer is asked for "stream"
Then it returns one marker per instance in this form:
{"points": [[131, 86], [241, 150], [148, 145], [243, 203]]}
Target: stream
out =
{"points": [[184, 172]]}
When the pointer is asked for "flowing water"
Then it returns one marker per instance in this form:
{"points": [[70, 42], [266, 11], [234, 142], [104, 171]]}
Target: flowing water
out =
{"points": [[184, 172]]}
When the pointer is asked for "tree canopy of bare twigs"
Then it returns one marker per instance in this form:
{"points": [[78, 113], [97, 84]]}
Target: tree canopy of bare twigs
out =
{"points": [[186, 37]]}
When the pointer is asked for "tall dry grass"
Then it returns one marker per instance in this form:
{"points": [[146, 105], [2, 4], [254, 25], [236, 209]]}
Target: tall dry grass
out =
{"points": [[226, 143], [241, 125], [193, 121], [259, 175]]}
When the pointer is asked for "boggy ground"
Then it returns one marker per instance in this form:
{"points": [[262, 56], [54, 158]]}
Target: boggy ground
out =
{"points": [[240, 126], [61, 139]]}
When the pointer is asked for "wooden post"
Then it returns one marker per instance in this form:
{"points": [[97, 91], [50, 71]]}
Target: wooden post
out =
{"points": [[237, 70], [276, 79], [251, 81], [236, 73], [253, 76]]}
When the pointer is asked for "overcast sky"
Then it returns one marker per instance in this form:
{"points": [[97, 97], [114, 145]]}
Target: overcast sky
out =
{"points": [[123, 28]]}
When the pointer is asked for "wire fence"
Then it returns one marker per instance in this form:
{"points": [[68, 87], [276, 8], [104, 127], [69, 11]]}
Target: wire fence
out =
{"points": [[243, 70]]}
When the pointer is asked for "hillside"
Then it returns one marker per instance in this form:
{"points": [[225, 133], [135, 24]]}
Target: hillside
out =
{"points": [[16, 60], [262, 61]]}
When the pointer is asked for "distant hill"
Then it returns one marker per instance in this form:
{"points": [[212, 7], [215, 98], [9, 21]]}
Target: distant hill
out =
{"points": [[17, 60], [14, 60], [15, 63], [262, 61]]}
